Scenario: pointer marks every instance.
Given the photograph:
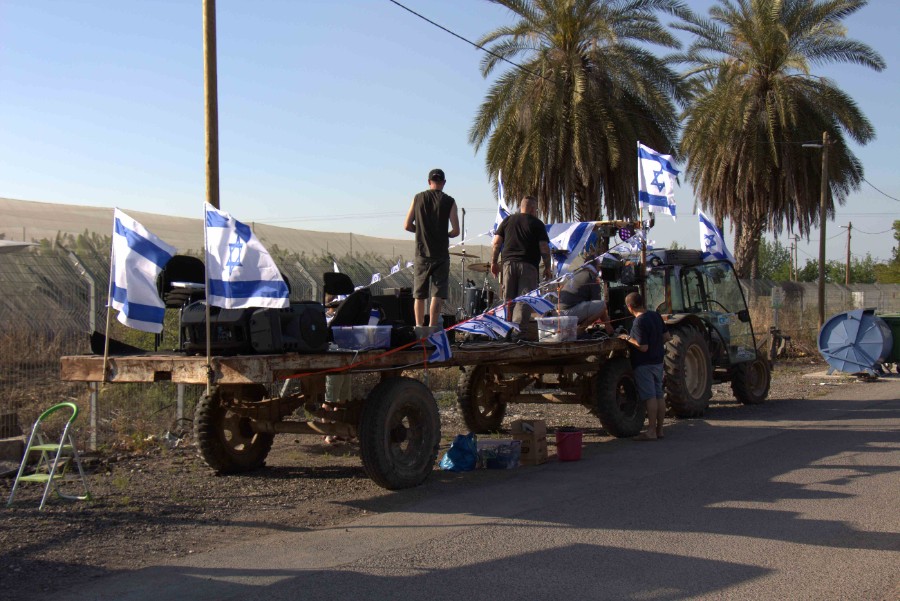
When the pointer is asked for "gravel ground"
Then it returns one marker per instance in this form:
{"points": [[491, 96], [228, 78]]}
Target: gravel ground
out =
{"points": [[161, 503]]}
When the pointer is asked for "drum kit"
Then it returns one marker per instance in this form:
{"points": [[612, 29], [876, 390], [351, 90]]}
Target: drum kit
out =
{"points": [[475, 300]]}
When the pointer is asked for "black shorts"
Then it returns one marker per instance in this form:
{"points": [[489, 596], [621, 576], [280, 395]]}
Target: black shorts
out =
{"points": [[435, 272]]}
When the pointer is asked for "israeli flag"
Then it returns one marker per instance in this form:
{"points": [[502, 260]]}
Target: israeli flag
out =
{"points": [[335, 265], [539, 304], [497, 324], [396, 267], [712, 242], [475, 326], [409, 264], [241, 271], [441, 344], [567, 241], [376, 277], [656, 181], [502, 208], [138, 257]]}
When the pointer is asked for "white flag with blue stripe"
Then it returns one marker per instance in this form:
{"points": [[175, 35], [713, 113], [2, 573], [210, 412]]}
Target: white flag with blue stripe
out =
{"points": [[539, 304], [656, 181], [240, 270], [502, 208], [711, 241], [475, 326], [376, 277], [441, 344], [567, 241], [138, 257], [396, 267], [500, 326]]}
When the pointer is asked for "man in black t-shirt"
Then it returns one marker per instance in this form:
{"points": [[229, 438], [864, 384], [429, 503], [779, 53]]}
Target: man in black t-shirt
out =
{"points": [[648, 338], [429, 215], [523, 238]]}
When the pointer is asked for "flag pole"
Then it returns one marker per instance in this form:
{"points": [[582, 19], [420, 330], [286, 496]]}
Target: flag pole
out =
{"points": [[112, 266], [209, 372], [643, 272]]}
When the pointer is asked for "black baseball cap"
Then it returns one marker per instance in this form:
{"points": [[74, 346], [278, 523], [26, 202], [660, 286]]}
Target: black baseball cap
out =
{"points": [[436, 175]]}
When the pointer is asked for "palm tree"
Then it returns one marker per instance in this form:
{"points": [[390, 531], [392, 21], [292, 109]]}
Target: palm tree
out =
{"points": [[564, 124], [755, 101]]}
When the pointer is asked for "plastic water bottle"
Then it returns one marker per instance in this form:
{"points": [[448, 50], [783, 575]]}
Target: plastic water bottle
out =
{"points": [[374, 317]]}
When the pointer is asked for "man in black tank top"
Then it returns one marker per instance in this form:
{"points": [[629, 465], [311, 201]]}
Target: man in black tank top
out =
{"points": [[429, 216]]}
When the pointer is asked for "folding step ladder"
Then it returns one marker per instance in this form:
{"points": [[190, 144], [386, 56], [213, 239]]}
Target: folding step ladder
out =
{"points": [[54, 460]]}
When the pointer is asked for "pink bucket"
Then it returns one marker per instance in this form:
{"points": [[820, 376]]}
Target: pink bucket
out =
{"points": [[568, 444]]}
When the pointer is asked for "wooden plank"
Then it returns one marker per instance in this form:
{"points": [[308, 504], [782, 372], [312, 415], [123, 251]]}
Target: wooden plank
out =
{"points": [[242, 369]]}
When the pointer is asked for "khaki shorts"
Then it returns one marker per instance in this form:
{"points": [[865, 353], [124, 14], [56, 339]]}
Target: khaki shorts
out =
{"points": [[435, 272], [519, 278]]}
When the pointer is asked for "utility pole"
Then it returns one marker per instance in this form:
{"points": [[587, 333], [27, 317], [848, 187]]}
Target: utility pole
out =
{"points": [[849, 227], [823, 196], [212, 103], [795, 256]]}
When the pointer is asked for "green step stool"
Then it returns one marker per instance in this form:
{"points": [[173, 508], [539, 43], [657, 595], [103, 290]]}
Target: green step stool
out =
{"points": [[54, 460]]}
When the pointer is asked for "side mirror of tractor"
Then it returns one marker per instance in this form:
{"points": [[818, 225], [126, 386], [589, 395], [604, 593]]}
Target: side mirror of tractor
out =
{"points": [[744, 315]]}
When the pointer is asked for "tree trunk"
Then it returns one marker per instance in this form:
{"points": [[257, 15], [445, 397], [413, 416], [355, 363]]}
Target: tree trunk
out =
{"points": [[747, 237]]}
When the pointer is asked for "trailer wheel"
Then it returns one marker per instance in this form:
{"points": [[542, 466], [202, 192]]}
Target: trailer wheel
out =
{"points": [[482, 410], [750, 381], [616, 400], [225, 439], [399, 433], [688, 380]]}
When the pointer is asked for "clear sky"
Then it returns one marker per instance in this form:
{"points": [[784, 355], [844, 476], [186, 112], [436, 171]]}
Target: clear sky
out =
{"points": [[331, 112]]}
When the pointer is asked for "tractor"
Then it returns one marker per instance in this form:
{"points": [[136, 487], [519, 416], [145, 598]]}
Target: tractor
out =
{"points": [[712, 340]]}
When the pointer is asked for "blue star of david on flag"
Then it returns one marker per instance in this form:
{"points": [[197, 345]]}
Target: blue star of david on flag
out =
{"points": [[234, 254]]}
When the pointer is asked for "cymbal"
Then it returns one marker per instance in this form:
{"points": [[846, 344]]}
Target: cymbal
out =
{"points": [[462, 254], [479, 267]]}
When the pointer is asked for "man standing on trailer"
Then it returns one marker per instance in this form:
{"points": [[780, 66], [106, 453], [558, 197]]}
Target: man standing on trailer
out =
{"points": [[523, 238], [648, 340], [429, 216]]}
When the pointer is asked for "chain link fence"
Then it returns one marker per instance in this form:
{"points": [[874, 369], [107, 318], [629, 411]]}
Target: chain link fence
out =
{"points": [[52, 299]]}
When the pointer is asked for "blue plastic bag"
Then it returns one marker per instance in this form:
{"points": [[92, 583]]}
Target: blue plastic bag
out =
{"points": [[462, 456]]}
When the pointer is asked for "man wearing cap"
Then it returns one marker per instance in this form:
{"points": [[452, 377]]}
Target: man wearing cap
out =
{"points": [[429, 216], [524, 241], [580, 297]]}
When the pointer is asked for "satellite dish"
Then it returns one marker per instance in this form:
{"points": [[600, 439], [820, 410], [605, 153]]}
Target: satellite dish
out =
{"points": [[856, 341]]}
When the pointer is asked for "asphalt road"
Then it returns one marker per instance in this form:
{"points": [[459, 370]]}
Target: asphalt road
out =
{"points": [[791, 500]]}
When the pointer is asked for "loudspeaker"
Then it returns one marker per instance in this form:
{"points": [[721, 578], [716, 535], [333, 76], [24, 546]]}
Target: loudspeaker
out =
{"points": [[229, 329], [300, 328], [396, 308]]}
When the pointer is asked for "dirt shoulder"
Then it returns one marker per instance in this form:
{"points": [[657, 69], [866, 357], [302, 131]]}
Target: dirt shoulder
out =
{"points": [[162, 503]]}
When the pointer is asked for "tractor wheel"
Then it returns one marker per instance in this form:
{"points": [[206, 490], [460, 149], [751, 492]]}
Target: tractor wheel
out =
{"points": [[399, 433], [616, 400], [750, 381], [482, 410], [226, 439], [688, 380]]}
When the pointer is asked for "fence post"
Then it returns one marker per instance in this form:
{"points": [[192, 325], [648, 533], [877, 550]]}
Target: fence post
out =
{"points": [[179, 405], [92, 323], [311, 280], [94, 386]]}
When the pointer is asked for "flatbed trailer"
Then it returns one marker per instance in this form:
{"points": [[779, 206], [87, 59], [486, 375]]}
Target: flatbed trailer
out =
{"points": [[397, 422]]}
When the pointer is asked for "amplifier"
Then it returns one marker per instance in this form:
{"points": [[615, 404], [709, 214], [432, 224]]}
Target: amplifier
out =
{"points": [[300, 328]]}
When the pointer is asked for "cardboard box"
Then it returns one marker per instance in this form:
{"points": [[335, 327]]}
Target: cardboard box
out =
{"points": [[532, 434], [498, 454], [533, 450], [537, 427]]}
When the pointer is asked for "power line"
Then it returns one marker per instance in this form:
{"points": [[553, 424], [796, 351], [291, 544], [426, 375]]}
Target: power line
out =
{"points": [[879, 191], [467, 41], [856, 229]]}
